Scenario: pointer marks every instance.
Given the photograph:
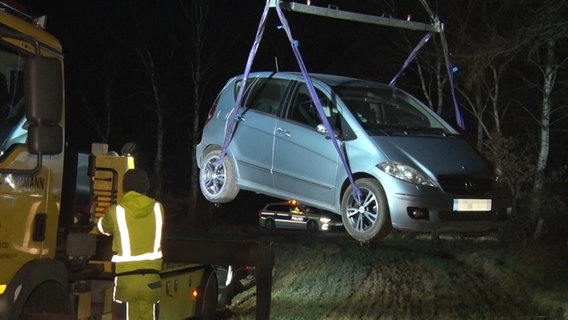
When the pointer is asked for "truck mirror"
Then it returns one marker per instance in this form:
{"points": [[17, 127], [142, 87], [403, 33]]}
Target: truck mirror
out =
{"points": [[45, 139], [43, 87]]}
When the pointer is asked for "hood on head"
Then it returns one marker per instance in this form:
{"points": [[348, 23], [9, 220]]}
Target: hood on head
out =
{"points": [[139, 205]]}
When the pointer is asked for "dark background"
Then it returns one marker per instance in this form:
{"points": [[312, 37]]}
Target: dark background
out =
{"points": [[110, 46], [97, 36]]}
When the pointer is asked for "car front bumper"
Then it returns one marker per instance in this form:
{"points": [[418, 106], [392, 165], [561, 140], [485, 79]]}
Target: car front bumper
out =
{"points": [[436, 211]]}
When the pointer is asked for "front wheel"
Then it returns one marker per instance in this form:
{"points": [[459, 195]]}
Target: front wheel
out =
{"points": [[217, 179], [366, 217]]}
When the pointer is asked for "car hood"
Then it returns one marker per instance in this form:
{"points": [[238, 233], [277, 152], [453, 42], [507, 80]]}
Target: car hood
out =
{"points": [[434, 155]]}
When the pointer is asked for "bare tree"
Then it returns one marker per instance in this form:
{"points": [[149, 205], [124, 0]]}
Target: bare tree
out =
{"points": [[532, 30], [491, 42], [102, 131], [548, 66], [156, 65], [486, 52], [545, 28], [201, 62], [110, 76], [94, 81], [204, 52]]}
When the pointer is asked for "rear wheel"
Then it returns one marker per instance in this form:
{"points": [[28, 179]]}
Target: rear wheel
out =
{"points": [[313, 226], [217, 179], [270, 225], [367, 217], [207, 303]]}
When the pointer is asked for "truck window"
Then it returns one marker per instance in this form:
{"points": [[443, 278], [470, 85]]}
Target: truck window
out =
{"points": [[12, 108]]}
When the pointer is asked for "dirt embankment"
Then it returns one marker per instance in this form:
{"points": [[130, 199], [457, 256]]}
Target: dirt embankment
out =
{"points": [[334, 277]]}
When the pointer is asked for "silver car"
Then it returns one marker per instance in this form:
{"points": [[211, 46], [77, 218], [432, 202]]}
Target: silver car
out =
{"points": [[413, 171]]}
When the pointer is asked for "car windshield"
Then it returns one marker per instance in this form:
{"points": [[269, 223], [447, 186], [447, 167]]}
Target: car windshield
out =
{"points": [[387, 110]]}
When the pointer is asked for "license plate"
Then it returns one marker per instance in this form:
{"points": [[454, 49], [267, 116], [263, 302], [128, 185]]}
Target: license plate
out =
{"points": [[472, 204]]}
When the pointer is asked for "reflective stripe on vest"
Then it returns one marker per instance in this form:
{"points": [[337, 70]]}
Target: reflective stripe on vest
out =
{"points": [[125, 237], [100, 227]]}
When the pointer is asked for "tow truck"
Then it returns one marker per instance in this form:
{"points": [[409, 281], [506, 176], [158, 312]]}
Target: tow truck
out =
{"points": [[52, 264]]}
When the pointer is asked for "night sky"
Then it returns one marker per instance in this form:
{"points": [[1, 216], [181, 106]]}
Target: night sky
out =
{"points": [[104, 38], [110, 95]]}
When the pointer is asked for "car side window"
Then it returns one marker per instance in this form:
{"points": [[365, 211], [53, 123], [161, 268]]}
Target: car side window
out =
{"points": [[266, 95], [303, 108], [278, 207]]}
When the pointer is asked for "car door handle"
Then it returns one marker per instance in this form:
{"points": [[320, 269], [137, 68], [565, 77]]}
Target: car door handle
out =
{"points": [[283, 132]]}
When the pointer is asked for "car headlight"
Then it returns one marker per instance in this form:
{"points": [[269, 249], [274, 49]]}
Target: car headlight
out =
{"points": [[325, 220], [405, 173]]}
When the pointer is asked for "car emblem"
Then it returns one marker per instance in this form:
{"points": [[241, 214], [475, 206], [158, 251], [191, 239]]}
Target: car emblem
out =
{"points": [[469, 185]]}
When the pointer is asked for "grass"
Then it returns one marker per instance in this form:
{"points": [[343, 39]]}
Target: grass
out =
{"points": [[319, 278]]}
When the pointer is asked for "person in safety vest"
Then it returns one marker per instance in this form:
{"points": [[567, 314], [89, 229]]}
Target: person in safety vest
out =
{"points": [[135, 223]]}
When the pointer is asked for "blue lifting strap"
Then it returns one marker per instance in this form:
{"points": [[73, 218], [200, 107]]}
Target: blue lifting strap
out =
{"points": [[234, 118], [411, 57], [449, 69]]}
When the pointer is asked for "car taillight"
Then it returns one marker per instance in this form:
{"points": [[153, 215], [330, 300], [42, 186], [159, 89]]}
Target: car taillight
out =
{"points": [[260, 214], [211, 112]]}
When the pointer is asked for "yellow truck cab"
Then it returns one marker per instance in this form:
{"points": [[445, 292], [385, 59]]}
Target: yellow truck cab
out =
{"points": [[52, 265]]}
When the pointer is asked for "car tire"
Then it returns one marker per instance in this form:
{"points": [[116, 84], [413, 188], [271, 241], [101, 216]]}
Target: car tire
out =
{"points": [[218, 183], [270, 225], [206, 304], [313, 226], [367, 219]]}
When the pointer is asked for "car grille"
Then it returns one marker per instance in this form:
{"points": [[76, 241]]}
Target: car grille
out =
{"points": [[460, 185]]}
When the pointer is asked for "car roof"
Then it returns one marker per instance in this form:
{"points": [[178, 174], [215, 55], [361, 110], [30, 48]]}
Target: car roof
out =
{"points": [[329, 79], [277, 203], [286, 203]]}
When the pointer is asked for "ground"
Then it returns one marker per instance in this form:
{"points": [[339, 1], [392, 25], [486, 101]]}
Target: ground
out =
{"points": [[331, 276]]}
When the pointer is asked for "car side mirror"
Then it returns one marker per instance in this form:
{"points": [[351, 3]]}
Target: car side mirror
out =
{"points": [[320, 128]]}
